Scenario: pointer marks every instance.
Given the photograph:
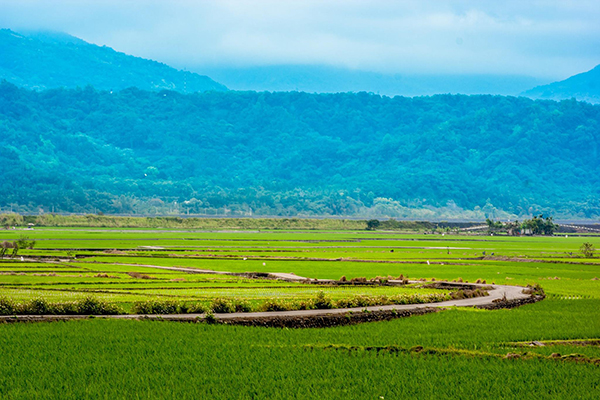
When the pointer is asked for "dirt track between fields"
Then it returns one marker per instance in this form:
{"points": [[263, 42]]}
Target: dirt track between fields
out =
{"points": [[500, 296]]}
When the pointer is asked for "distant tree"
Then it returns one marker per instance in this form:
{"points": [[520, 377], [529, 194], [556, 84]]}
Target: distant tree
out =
{"points": [[25, 243], [512, 228], [539, 225], [4, 246], [493, 226], [22, 243], [549, 227], [587, 249], [372, 224]]}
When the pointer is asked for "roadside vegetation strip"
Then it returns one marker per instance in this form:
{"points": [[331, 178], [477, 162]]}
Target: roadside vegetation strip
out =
{"points": [[318, 312], [86, 306], [218, 305]]}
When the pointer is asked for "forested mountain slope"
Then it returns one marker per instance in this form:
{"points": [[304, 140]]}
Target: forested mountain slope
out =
{"points": [[52, 60], [296, 153], [583, 87]]}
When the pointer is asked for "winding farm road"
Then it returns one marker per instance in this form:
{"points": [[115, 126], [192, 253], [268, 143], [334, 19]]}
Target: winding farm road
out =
{"points": [[497, 293]]}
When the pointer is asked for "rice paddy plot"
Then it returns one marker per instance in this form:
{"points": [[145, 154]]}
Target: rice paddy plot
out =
{"points": [[454, 353]]}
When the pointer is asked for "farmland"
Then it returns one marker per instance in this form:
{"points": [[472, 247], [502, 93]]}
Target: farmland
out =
{"points": [[463, 352]]}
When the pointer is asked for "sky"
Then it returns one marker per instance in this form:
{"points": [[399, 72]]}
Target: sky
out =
{"points": [[541, 38]]}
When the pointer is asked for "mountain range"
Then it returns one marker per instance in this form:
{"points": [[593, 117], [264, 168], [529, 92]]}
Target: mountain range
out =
{"points": [[583, 87], [44, 60], [86, 128]]}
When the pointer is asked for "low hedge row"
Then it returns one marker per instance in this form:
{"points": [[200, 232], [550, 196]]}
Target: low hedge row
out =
{"points": [[93, 306], [86, 306]]}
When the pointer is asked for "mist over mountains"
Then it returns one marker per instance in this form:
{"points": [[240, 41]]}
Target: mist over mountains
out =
{"points": [[42, 60], [325, 79]]}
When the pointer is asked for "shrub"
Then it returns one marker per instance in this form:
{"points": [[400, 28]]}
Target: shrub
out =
{"points": [[345, 303], [222, 306], [25, 243], [534, 290], [363, 301], [242, 306], [587, 249], [379, 279], [92, 306], [399, 299], [275, 305], [467, 294], [7, 306], [322, 302], [196, 308], [69, 308], [87, 306], [141, 307], [155, 307], [210, 318], [183, 308], [304, 305], [36, 306]]}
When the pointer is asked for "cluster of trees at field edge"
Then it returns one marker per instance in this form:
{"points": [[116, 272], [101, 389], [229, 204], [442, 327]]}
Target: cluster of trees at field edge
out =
{"points": [[538, 225]]}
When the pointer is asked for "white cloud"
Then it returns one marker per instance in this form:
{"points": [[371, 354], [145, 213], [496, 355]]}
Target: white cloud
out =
{"points": [[542, 38]]}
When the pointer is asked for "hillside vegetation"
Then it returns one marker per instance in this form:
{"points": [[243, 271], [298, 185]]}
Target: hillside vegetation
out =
{"points": [[242, 153], [51, 60]]}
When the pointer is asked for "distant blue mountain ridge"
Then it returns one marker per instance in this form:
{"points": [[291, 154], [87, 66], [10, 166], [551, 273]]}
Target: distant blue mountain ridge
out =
{"points": [[44, 60], [583, 87]]}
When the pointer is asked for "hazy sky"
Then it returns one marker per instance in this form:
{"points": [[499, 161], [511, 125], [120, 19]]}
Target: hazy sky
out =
{"points": [[543, 38]]}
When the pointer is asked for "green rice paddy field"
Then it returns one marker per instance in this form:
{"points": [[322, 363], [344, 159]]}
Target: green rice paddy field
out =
{"points": [[455, 353]]}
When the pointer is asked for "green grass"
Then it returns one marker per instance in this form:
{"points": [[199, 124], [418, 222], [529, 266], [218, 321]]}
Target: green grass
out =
{"points": [[110, 282], [131, 359], [463, 349]]}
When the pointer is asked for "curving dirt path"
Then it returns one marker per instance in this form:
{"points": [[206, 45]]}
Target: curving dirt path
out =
{"points": [[496, 294]]}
